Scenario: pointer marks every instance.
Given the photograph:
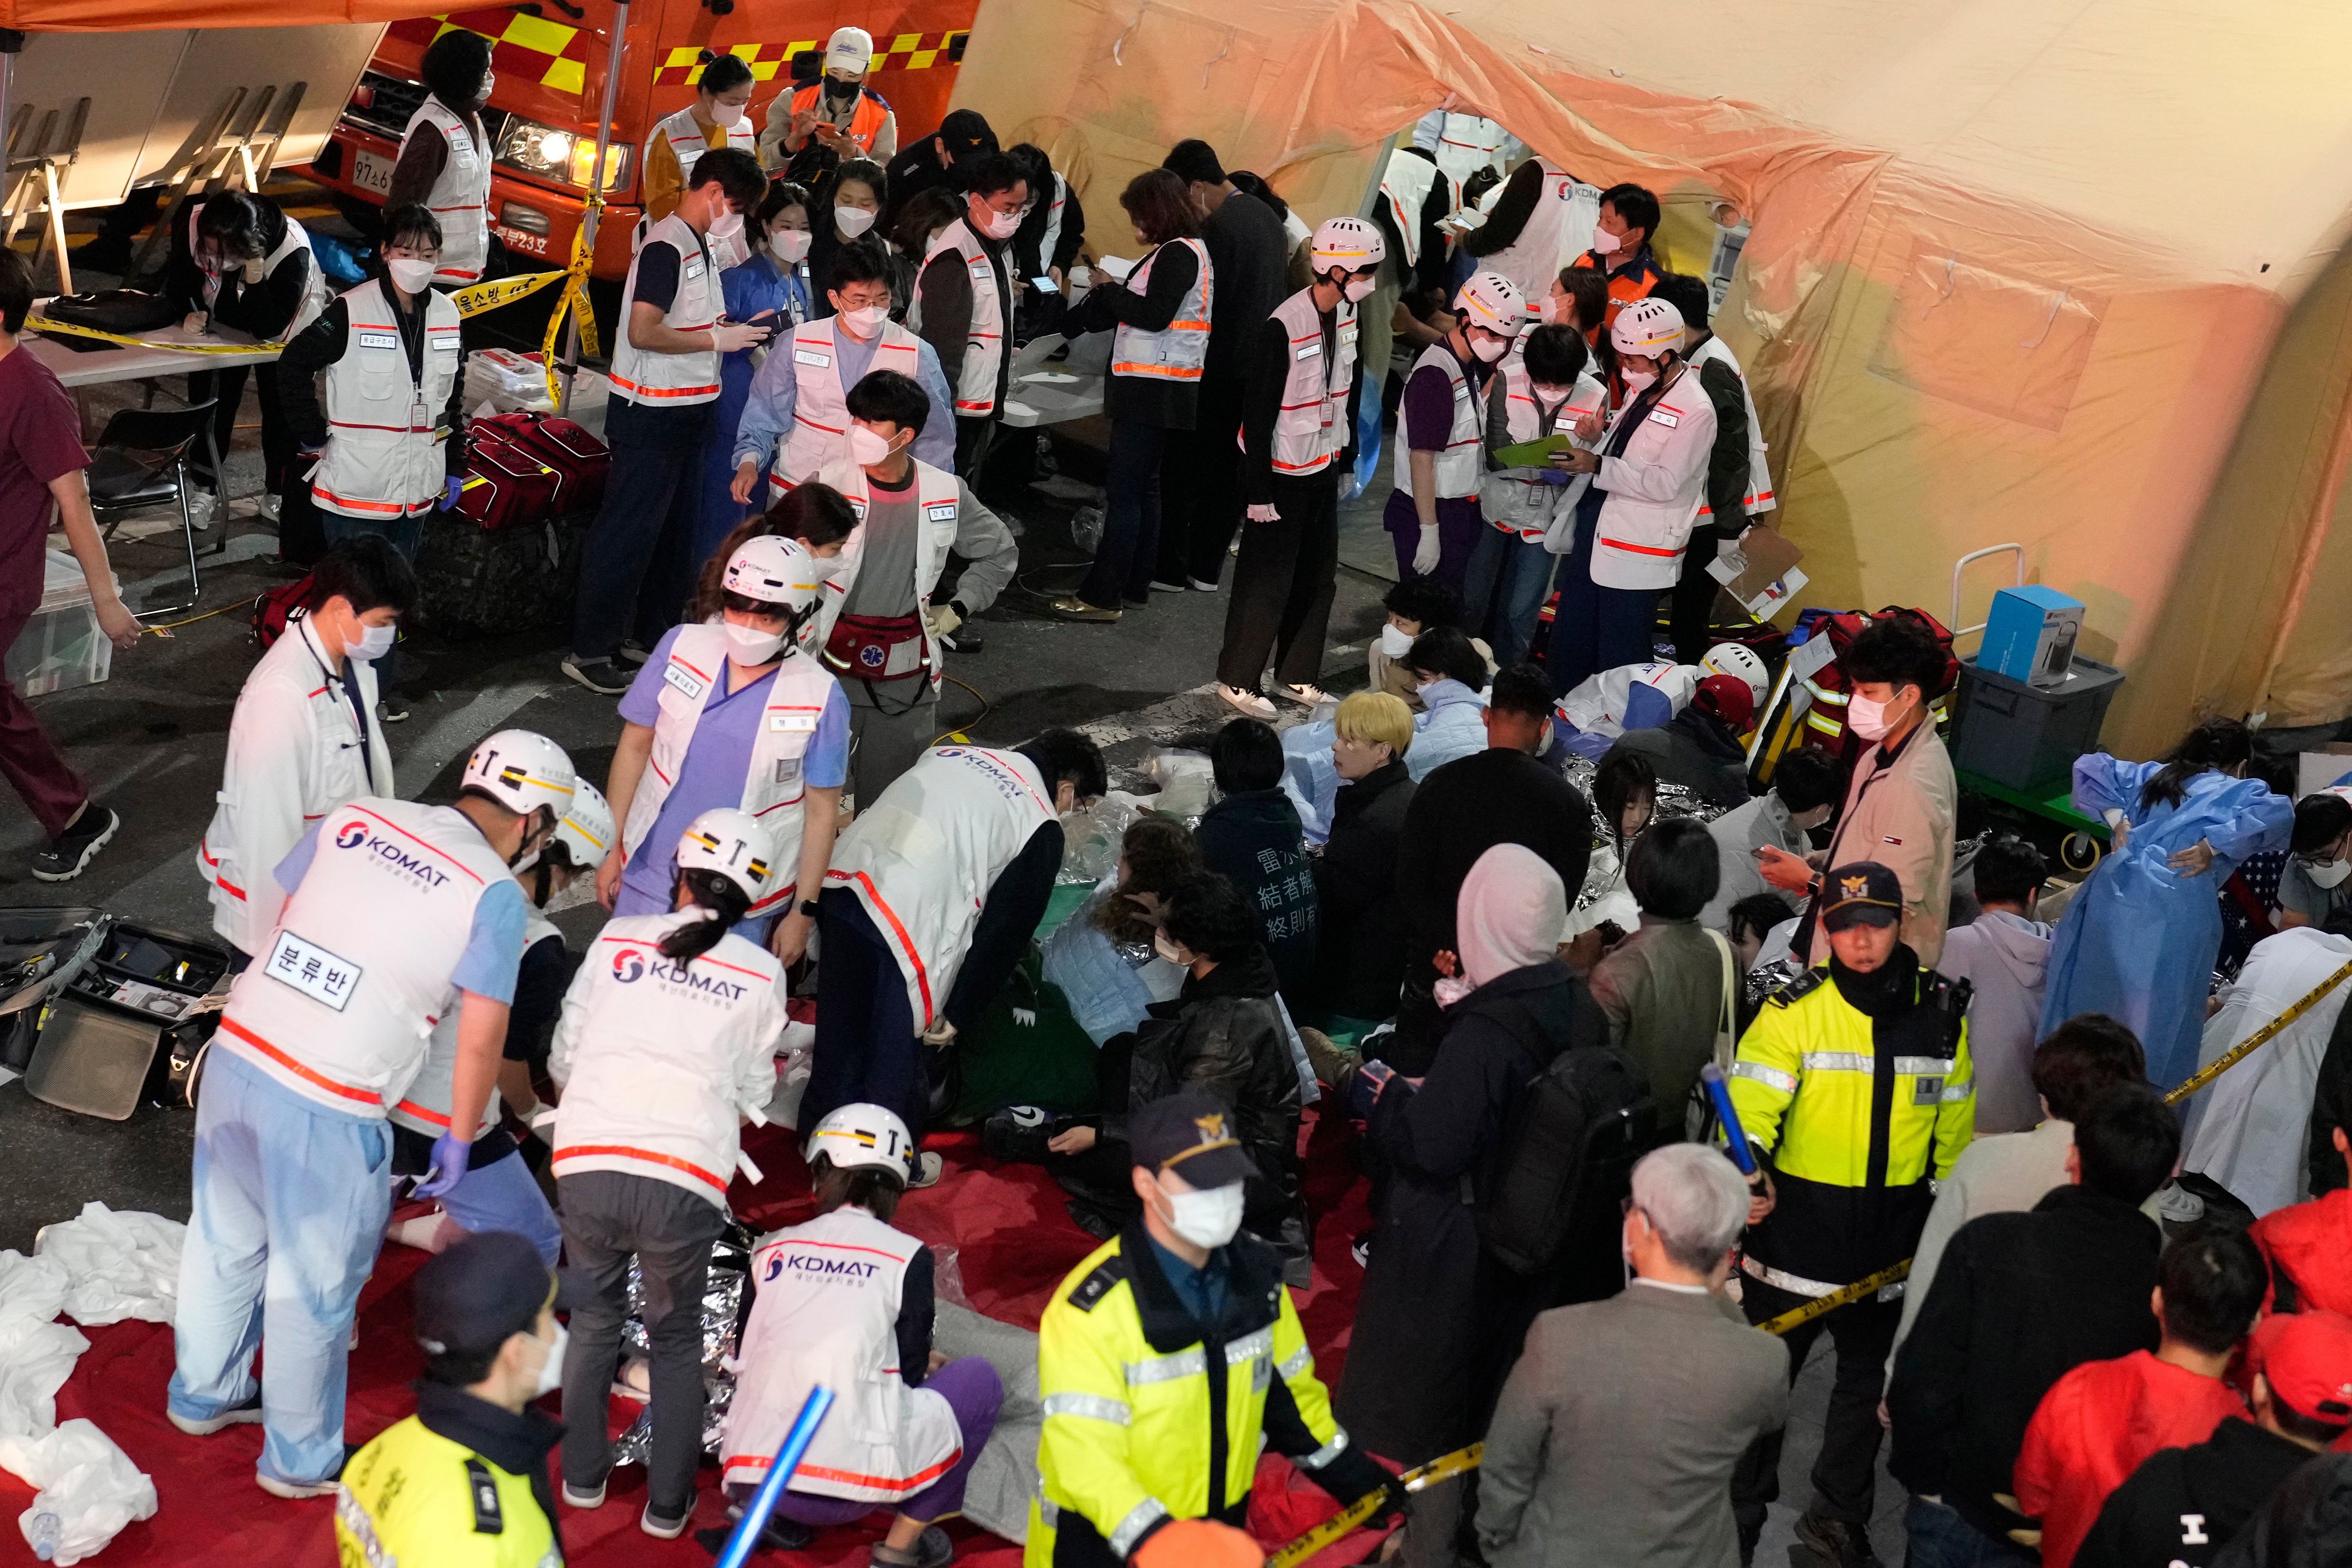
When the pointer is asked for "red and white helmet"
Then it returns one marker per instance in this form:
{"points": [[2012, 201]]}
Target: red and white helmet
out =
{"points": [[1493, 301], [1736, 658], [1648, 327], [1347, 242]]}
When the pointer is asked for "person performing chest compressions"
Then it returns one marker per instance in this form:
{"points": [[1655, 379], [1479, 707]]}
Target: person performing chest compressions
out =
{"points": [[399, 915], [846, 1301], [730, 711], [668, 1044]]}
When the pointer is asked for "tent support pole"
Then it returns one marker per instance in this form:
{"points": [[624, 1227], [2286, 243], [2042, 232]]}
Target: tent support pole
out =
{"points": [[614, 53]]}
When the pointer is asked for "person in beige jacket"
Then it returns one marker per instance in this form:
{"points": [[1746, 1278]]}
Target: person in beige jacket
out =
{"points": [[1900, 803]]}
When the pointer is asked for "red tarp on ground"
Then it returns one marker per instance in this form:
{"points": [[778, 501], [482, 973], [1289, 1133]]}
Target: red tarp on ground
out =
{"points": [[1012, 1242]]}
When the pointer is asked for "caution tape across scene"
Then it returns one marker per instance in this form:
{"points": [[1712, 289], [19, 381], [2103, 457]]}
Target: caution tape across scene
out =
{"points": [[1443, 1468]]}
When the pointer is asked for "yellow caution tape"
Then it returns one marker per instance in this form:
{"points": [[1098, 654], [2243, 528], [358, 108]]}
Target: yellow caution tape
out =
{"points": [[489, 294], [574, 301], [68, 329], [1824, 1305], [1445, 1467], [2263, 1036]]}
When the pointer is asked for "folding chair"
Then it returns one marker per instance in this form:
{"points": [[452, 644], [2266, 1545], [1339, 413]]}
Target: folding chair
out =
{"points": [[141, 461]]}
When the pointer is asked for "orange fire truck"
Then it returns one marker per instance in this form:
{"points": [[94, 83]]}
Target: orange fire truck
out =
{"points": [[550, 56]]}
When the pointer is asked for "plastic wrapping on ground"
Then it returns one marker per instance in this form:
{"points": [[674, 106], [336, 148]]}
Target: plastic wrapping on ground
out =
{"points": [[1090, 838], [1187, 785], [89, 1491], [121, 1265], [1005, 1477], [1107, 984], [36, 1355], [720, 1317]]}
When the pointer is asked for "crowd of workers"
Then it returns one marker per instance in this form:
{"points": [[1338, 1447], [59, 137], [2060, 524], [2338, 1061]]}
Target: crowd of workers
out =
{"points": [[1499, 982]]}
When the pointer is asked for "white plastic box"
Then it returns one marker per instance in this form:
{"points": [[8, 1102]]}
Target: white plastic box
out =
{"points": [[61, 647]]}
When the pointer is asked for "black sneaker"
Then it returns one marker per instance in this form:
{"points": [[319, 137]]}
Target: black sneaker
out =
{"points": [[67, 856], [1836, 1543], [664, 1526], [781, 1535], [1020, 1134], [601, 676]]}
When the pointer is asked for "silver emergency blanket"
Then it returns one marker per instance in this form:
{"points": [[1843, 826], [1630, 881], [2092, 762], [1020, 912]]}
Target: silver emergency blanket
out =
{"points": [[1602, 874], [720, 1317]]}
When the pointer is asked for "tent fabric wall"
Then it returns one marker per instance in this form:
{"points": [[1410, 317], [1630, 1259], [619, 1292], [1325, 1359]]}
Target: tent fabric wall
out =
{"points": [[2064, 275], [136, 15]]}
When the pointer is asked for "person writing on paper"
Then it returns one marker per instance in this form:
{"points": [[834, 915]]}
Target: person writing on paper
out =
{"points": [[731, 712], [773, 286], [812, 128], [445, 155], [714, 120], [390, 445], [795, 419], [1433, 514], [666, 1047], [398, 914], [305, 738]]}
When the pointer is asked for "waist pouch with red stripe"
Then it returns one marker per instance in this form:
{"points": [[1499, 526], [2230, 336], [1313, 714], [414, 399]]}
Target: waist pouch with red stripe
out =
{"points": [[878, 647]]}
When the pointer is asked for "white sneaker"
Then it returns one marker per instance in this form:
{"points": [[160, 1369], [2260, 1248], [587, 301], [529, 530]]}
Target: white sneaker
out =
{"points": [[928, 1168], [662, 1529], [1253, 703], [1307, 696], [237, 1415], [1201, 587], [202, 506], [265, 507], [574, 1498]]}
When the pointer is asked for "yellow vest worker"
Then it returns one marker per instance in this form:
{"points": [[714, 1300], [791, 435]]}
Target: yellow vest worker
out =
{"points": [[1167, 1358], [463, 1483]]}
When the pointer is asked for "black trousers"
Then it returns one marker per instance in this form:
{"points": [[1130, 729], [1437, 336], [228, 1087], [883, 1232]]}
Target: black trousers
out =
{"points": [[278, 443], [975, 438], [1845, 1474], [1692, 609], [638, 551], [1282, 584], [1200, 487]]}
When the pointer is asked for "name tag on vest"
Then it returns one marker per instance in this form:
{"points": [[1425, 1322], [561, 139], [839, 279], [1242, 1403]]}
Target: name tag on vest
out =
{"points": [[379, 340], [1312, 350], [941, 511], [1348, 334], [1928, 1092], [447, 343], [693, 271], [790, 723], [788, 770], [1665, 417], [688, 684], [461, 147], [313, 971], [810, 356]]}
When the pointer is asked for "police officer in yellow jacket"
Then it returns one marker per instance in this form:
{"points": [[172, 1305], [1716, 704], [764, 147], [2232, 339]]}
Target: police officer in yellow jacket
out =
{"points": [[463, 1482], [1167, 1358], [1853, 1084]]}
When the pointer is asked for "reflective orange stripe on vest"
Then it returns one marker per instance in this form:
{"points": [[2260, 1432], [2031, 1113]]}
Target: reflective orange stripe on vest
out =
{"points": [[364, 1096], [623, 1151], [905, 943], [630, 386]]}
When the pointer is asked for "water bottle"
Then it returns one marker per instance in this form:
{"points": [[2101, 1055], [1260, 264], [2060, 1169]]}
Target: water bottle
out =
{"points": [[47, 1533]]}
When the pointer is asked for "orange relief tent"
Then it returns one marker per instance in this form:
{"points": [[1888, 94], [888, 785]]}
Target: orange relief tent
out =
{"points": [[136, 15], [2068, 275]]}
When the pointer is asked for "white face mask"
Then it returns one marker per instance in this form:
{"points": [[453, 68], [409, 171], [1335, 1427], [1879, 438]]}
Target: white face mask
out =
{"points": [[1637, 379], [1605, 242], [1488, 349], [1395, 641], [868, 448], [550, 1371], [373, 643], [408, 275], [727, 225], [1548, 310], [1865, 717], [866, 321], [853, 221], [1549, 393], [997, 225], [1166, 948], [1355, 289], [2329, 874], [750, 644], [1207, 1219], [790, 246]]}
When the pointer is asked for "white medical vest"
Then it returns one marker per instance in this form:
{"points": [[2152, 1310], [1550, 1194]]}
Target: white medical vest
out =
{"points": [[687, 140], [922, 858], [384, 457], [820, 432], [975, 388], [659, 1061], [826, 1312], [460, 196], [1052, 238], [340, 1004], [1656, 491], [1311, 426], [1517, 500], [773, 789], [1467, 143], [1177, 351], [295, 753], [671, 381], [939, 504], [1758, 499], [1458, 464], [314, 287], [1558, 231], [426, 1106]]}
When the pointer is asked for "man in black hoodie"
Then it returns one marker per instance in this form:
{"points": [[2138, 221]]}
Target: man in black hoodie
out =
{"points": [[1253, 837], [2018, 1301], [2183, 1506]]}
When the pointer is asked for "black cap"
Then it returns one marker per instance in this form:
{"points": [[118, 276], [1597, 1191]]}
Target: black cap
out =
{"points": [[485, 1289], [1862, 893], [1189, 1132], [967, 132]]}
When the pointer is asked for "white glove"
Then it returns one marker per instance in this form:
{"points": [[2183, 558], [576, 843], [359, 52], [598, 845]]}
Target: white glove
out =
{"points": [[1424, 557], [942, 619], [1264, 513]]}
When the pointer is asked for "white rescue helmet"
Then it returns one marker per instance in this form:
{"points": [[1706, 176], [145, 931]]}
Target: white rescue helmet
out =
{"points": [[852, 1136], [1734, 659], [775, 571], [586, 830], [1648, 327], [1493, 301], [522, 771], [1346, 242], [849, 49], [732, 842]]}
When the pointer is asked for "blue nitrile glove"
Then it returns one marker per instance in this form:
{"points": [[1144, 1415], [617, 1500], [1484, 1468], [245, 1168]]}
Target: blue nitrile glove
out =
{"points": [[450, 1154], [449, 493], [1553, 476]]}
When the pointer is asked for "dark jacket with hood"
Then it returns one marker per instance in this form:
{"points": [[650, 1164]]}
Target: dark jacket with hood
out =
{"points": [[1223, 1034], [1361, 964], [1253, 838], [1692, 750], [2183, 1505]]}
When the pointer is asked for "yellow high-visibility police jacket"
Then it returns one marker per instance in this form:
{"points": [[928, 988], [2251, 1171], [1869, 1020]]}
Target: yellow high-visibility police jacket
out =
{"points": [[416, 1498], [1151, 1415], [1856, 1114]]}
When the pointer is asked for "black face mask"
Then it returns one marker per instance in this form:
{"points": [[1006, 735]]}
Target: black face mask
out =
{"points": [[835, 88]]}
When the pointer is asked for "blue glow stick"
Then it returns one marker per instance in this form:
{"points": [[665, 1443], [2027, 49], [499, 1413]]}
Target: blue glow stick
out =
{"points": [[748, 1529], [1720, 1091]]}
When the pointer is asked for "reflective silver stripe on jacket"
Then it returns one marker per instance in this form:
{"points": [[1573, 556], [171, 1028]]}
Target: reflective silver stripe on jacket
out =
{"points": [[1139, 1518], [1193, 1362], [1926, 1066], [1326, 1453], [1838, 1061], [361, 1528], [1047, 1513], [1786, 1082], [1093, 1406], [1797, 1285], [1302, 1360], [1258, 1344], [1955, 1092]]}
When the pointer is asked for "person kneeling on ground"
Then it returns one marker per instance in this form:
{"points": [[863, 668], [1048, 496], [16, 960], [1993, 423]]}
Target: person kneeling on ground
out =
{"points": [[910, 1422]]}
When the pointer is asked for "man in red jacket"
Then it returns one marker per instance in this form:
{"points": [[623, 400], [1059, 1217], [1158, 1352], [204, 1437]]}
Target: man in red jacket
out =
{"points": [[2099, 1421], [2308, 1246]]}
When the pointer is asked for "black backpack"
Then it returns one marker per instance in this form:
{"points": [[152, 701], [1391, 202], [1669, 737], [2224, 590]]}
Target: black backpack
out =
{"points": [[1569, 1143]]}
